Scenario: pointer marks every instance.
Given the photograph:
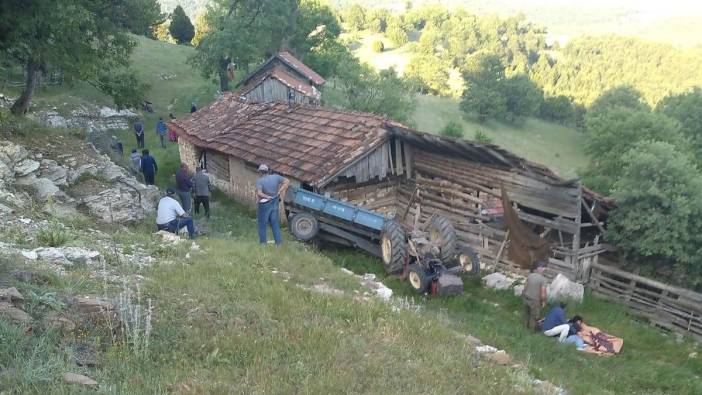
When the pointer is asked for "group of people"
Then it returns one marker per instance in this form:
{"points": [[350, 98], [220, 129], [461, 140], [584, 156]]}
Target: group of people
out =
{"points": [[174, 215], [555, 322], [144, 165], [161, 130]]}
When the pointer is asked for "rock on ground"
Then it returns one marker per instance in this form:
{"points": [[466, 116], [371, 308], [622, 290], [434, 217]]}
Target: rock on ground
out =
{"points": [[14, 314], [11, 295], [518, 290], [497, 281], [562, 289], [79, 379]]}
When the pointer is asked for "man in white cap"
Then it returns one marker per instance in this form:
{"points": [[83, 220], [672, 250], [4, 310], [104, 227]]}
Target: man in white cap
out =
{"points": [[269, 188]]}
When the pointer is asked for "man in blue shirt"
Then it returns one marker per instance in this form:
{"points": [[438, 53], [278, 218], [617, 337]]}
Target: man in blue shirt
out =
{"points": [[162, 130], [556, 324], [148, 167], [269, 187]]}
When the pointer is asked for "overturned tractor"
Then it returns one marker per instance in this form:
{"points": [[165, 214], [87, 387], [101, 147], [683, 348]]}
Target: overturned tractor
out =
{"points": [[428, 256]]}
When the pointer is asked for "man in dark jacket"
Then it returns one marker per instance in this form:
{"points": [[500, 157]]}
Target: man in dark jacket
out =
{"points": [[148, 167], [139, 133], [183, 186], [202, 187]]}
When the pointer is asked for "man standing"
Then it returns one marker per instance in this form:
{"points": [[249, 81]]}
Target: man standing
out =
{"points": [[269, 188], [184, 186], [135, 162], [202, 189], [162, 130], [148, 167], [139, 133], [172, 217], [534, 295]]}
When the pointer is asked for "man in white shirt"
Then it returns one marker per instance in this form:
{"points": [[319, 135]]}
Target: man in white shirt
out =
{"points": [[171, 216]]}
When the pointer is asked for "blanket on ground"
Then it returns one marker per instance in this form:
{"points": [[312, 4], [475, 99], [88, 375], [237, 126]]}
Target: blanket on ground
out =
{"points": [[599, 342]]}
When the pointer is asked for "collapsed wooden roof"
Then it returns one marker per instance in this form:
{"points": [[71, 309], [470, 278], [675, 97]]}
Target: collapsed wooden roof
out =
{"points": [[313, 144]]}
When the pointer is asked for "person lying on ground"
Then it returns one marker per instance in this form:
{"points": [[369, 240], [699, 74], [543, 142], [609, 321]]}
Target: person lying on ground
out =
{"points": [[171, 216], [575, 324], [555, 323], [534, 295]]}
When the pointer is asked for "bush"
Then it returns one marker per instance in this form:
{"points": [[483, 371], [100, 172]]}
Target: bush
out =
{"points": [[55, 235], [482, 137], [378, 46], [452, 129]]}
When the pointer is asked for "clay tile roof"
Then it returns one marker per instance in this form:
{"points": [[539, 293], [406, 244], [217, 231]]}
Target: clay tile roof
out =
{"points": [[303, 142], [293, 62]]}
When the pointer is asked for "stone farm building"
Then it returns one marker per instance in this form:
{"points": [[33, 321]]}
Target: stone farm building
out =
{"points": [[282, 78], [384, 166]]}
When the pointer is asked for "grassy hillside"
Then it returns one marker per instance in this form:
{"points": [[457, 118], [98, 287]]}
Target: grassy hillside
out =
{"points": [[558, 147], [236, 317]]}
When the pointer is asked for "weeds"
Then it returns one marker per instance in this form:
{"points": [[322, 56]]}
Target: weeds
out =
{"points": [[55, 235], [135, 320]]}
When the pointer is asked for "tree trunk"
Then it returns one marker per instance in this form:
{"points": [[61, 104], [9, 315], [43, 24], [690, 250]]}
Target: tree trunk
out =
{"points": [[21, 105], [223, 75]]}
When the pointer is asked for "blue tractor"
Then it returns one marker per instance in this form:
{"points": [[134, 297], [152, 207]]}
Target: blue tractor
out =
{"points": [[428, 258]]}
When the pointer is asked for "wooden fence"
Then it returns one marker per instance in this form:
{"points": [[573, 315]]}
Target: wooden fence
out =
{"points": [[669, 307]]}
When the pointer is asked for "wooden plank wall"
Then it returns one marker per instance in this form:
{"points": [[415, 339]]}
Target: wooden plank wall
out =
{"points": [[459, 189], [669, 307], [377, 196], [218, 164]]}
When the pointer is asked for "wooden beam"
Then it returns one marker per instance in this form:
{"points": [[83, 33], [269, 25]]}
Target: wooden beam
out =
{"points": [[594, 220]]}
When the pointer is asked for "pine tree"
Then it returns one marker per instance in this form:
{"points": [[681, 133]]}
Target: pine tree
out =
{"points": [[181, 28]]}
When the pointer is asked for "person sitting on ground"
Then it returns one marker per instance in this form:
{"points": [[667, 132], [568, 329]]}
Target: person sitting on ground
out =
{"points": [[575, 324], [193, 108], [555, 323], [117, 146], [171, 216], [202, 188], [534, 295]]}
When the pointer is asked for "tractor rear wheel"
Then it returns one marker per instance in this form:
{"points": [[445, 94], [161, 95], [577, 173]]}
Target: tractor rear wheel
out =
{"points": [[443, 235], [393, 245], [468, 259], [417, 278], [304, 226]]}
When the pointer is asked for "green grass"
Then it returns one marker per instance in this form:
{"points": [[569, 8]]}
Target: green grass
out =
{"points": [[558, 147]]}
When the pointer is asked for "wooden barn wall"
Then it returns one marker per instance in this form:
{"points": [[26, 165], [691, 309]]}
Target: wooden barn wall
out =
{"points": [[379, 196], [271, 90], [460, 190]]}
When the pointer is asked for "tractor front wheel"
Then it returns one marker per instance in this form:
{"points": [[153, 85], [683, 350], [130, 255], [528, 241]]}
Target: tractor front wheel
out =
{"points": [[417, 278], [468, 259]]}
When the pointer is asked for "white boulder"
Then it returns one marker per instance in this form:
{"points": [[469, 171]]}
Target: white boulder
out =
{"points": [[562, 289], [497, 281]]}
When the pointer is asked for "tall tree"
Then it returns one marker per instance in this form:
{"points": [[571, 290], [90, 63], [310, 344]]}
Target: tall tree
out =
{"points": [[181, 28], [659, 207], [485, 78], [686, 108], [613, 131], [83, 38]]}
